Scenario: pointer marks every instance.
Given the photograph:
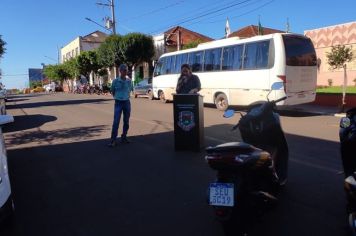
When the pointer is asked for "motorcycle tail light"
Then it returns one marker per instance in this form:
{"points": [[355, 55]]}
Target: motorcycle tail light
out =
{"points": [[265, 156], [345, 122]]}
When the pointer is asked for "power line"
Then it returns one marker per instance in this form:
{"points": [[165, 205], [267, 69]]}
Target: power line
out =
{"points": [[232, 17], [13, 75], [243, 14], [203, 15], [223, 13], [208, 20], [197, 11], [153, 11]]}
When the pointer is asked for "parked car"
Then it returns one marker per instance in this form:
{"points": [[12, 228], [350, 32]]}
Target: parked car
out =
{"points": [[6, 204], [144, 88], [50, 87]]}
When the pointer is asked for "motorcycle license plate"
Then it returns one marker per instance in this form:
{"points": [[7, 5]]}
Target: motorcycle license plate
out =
{"points": [[221, 194]]}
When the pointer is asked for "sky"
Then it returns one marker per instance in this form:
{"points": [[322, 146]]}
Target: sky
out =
{"points": [[35, 30]]}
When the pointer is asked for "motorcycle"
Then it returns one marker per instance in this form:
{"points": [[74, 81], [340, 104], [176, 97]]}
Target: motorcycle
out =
{"points": [[249, 173], [347, 135]]}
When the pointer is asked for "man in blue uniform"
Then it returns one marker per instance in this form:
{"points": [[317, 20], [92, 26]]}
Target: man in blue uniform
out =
{"points": [[121, 88]]}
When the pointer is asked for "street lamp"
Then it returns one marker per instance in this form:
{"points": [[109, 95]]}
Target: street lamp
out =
{"points": [[42, 75], [107, 28]]}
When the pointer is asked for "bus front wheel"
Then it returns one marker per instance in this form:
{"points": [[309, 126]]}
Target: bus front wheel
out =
{"points": [[221, 102]]}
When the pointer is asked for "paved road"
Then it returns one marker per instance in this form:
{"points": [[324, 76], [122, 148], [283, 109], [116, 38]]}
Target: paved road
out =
{"points": [[67, 182]]}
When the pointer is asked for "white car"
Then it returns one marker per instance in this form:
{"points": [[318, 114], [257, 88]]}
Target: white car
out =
{"points": [[50, 87], [6, 205]]}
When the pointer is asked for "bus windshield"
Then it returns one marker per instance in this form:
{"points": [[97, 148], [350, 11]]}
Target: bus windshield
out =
{"points": [[299, 51]]}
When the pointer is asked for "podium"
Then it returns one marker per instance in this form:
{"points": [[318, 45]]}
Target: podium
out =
{"points": [[188, 111]]}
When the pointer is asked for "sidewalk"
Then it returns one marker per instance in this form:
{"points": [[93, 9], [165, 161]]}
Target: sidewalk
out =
{"points": [[316, 109]]}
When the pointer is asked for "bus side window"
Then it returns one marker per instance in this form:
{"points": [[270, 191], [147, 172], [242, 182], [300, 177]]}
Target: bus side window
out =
{"points": [[168, 65], [208, 60], [178, 63], [256, 55], [180, 60], [196, 61], [212, 59], [158, 67], [250, 56], [231, 59], [164, 66], [237, 57], [262, 54], [226, 58]]}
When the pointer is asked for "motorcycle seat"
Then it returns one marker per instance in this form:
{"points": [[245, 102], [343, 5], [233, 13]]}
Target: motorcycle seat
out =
{"points": [[237, 147]]}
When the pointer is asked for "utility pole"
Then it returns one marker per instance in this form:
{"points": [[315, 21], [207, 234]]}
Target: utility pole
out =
{"points": [[112, 21], [113, 17]]}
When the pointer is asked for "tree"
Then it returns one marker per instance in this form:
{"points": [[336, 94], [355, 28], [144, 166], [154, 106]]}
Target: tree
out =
{"points": [[192, 44], [2, 46], [337, 59], [71, 68], [87, 62], [56, 72], [136, 48], [109, 54]]}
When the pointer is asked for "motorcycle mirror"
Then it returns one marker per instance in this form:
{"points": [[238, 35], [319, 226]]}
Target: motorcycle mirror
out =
{"points": [[277, 86], [229, 113]]}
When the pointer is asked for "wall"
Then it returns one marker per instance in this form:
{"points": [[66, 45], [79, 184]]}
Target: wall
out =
{"points": [[334, 100], [88, 46], [72, 49], [323, 39]]}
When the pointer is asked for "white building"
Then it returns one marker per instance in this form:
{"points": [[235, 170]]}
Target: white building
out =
{"points": [[81, 44], [78, 45]]}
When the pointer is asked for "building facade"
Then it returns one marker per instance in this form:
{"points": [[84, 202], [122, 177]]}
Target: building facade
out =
{"points": [[323, 40], [35, 75], [78, 45], [81, 44]]}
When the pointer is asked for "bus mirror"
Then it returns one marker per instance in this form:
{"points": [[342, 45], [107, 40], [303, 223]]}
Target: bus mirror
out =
{"points": [[277, 86]]}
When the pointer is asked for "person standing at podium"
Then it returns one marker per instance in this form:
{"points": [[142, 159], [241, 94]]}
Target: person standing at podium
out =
{"points": [[188, 83]]}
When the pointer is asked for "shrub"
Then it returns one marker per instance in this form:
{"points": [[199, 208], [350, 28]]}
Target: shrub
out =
{"points": [[330, 82]]}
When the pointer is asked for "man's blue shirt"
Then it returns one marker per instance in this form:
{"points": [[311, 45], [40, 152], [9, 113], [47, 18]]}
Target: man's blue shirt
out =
{"points": [[121, 89]]}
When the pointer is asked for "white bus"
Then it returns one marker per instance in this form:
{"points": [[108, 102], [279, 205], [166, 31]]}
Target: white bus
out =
{"points": [[240, 72]]}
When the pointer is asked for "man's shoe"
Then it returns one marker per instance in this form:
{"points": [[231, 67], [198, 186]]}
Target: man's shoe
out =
{"points": [[125, 140], [112, 144]]}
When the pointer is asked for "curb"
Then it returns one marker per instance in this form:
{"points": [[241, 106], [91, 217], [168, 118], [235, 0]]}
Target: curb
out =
{"points": [[340, 115]]}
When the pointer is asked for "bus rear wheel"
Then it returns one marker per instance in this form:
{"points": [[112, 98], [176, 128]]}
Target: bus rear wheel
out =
{"points": [[221, 102], [162, 98]]}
